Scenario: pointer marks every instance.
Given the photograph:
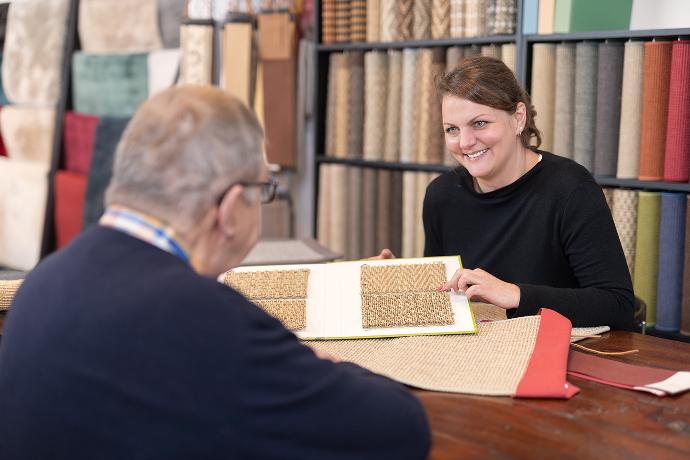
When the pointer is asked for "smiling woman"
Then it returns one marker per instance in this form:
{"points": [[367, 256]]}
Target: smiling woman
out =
{"points": [[533, 227]]}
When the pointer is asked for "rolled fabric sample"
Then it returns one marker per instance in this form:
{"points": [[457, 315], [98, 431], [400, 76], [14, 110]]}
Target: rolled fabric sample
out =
{"points": [[342, 21], [323, 225], [70, 189], [423, 180], [109, 85], [437, 141], [119, 26], [475, 18], [354, 213], [391, 150], [79, 137], [491, 51], [685, 298], [509, 56], [108, 133], [647, 252], [421, 20], [199, 9], [608, 195], [543, 90], [631, 112], [196, 43], [609, 84], [457, 18], [369, 214], [28, 133], [408, 141], [163, 68], [409, 212], [389, 20], [424, 95], [671, 249], [655, 91], [440, 19], [625, 217], [23, 198], [334, 61], [454, 55], [404, 18], [677, 153], [280, 107], [339, 208], [396, 203], [501, 17], [237, 63], [170, 13], [328, 21], [375, 92], [355, 128], [358, 20], [34, 49], [585, 103], [564, 100], [384, 214], [342, 112], [374, 20]]}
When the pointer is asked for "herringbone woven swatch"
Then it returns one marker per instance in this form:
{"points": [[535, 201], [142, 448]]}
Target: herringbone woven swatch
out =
{"points": [[542, 91], [389, 20], [647, 251], [631, 112], [585, 103], [564, 100], [457, 18], [408, 108], [375, 92], [677, 154], [440, 19], [405, 19], [421, 24], [625, 218], [374, 10], [609, 84], [393, 103], [671, 249]]}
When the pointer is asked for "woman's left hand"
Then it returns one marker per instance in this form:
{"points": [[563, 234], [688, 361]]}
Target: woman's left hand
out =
{"points": [[482, 286]]}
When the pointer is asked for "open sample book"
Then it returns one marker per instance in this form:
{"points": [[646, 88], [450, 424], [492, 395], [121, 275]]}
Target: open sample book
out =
{"points": [[359, 299]]}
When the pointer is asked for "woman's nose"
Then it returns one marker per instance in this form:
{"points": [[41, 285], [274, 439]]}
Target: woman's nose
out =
{"points": [[466, 139]]}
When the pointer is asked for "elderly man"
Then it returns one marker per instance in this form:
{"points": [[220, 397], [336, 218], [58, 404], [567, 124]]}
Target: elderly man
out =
{"points": [[123, 345]]}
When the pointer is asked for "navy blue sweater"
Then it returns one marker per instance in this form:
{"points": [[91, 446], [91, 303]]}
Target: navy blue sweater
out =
{"points": [[115, 349]]}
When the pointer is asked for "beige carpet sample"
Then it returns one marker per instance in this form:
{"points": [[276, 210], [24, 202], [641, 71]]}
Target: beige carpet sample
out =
{"points": [[391, 151], [196, 42], [543, 89], [7, 290], [564, 100], [375, 92], [237, 68], [631, 112], [163, 68], [28, 133], [625, 203], [408, 109], [374, 20]]}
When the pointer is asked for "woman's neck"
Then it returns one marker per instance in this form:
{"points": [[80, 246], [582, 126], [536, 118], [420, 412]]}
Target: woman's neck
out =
{"points": [[524, 160]]}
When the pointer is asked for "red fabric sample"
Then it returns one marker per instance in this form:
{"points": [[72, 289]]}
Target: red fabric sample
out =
{"points": [[677, 155], [70, 189], [80, 133]]}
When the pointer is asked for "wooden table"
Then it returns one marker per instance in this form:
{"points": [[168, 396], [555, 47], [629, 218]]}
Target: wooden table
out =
{"points": [[599, 422]]}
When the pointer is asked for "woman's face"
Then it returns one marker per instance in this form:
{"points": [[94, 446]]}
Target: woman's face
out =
{"points": [[482, 139]]}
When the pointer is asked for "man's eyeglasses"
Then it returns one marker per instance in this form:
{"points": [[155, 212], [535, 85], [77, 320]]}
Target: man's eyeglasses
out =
{"points": [[267, 189]]}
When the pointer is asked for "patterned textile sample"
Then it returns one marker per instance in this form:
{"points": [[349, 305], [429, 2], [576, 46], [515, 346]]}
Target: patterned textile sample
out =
{"points": [[509, 56], [405, 19], [671, 250], [454, 55], [655, 90], [625, 218], [358, 20], [281, 293], [685, 299], [342, 21], [23, 197], [457, 18], [564, 100], [196, 43], [609, 82], [647, 251], [542, 90], [500, 17], [585, 103], [631, 112], [408, 107], [391, 147], [421, 20], [323, 230], [33, 53], [355, 106], [118, 26], [475, 18], [28, 133], [440, 19], [491, 51], [79, 136], [170, 13], [424, 94], [70, 190], [389, 21], [409, 215], [331, 103], [375, 92], [342, 106], [404, 295], [369, 215], [328, 21], [109, 85], [354, 213], [384, 224], [7, 291], [677, 155], [374, 20]]}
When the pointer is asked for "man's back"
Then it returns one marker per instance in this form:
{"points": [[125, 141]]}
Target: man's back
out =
{"points": [[117, 349]]}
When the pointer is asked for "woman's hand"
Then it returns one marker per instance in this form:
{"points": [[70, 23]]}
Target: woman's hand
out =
{"points": [[385, 254], [482, 286]]}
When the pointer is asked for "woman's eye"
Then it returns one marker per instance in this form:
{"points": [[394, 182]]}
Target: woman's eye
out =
{"points": [[451, 130], [479, 124]]}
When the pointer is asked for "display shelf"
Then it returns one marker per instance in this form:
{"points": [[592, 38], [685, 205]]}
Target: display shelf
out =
{"points": [[485, 40], [643, 184], [608, 35], [375, 164]]}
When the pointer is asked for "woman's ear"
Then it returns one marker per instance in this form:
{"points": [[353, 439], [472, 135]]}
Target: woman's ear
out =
{"points": [[520, 117]]}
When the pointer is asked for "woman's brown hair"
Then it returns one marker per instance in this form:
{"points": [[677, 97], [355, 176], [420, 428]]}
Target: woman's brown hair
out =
{"points": [[488, 81]]}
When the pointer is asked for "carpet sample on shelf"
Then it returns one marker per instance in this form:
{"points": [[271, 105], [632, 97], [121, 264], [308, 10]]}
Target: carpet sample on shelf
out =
{"points": [[625, 203], [475, 18], [355, 106], [339, 212], [440, 19], [328, 21], [396, 212], [501, 17], [358, 20], [647, 252], [342, 21], [543, 89], [421, 20], [409, 215], [70, 191], [454, 55], [79, 137], [631, 112], [677, 153], [585, 103], [389, 21], [375, 92], [331, 102], [564, 100], [408, 109], [373, 22], [609, 84], [509, 56], [28, 133], [323, 221], [163, 69], [404, 18], [369, 214], [237, 62], [384, 224], [170, 13], [342, 102], [354, 213], [457, 18], [196, 45], [685, 297]]}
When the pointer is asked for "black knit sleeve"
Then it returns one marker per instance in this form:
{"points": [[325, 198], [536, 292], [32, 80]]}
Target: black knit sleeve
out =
{"points": [[590, 242]]}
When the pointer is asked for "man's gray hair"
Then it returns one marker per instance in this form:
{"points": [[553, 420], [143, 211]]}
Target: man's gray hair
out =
{"points": [[181, 150]]}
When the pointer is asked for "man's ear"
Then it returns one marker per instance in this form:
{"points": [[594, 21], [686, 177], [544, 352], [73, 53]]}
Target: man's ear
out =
{"points": [[227, 210]]}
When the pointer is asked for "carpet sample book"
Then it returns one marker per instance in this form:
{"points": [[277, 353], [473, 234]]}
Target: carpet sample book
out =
{"points": [[28, 133], [609, 84], [647, 251], [631, 112], [564, 100], [586, 62], [543, 89], [677, 154]]}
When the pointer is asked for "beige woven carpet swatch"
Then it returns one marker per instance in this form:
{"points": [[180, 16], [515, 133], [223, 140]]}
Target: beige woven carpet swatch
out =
{"points": [[421, 23], [631, 112], [608, 195], [625, 218], [34, 47], [454, 55], [375, 93], [28, 133], [492, 50], [342, 21], [374, 20], [355, 128], [370, 217], [404, 295], [119, 26], [163, 67], [423, 180], [437, 141], [586, 64], [500, 17], [655, 92], [509, 56], [404, 17], [342, 109], [328, 21], [424, 95], [7, 291], [543, 89], [196, 43], [391, 151], [323, 229], [408, 109], [237, 65], [491, 362], [475, 18], [331, 103], [647, 251], [564, 100], [23, 198], [354, 213], [358, 20], [199, 9], [685, 298], [457, 18], [409, 215], [440, 19], [291, 312], [339, 202], [384, 214], [389, 20]]}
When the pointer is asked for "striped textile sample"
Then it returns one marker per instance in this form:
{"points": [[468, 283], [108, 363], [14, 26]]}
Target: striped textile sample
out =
{"points": [[685, 298], [393, 104], [585, 103], [631, 112], [342, 21], [28, 133], [375, 92], [501, 17], [457, 18], [79, 136], [323, 222], [196, 43], [409, 216], [358, 20], [624, 212], [70, 189], [404, 17], [355, 106], [373, 25], [389, 20], [354, 213], [475, 18], [384, 203], [454, 55], [655, 91], [647, 251], [671, 249], [421, 20], [509, 56], [334, 61], [408, 141], [342, 112], [369, 215], [424, 94], [491, 51], [677, 154], [542, 90], [564, 100], [609, 83], [440, 19], [328, 21]]}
